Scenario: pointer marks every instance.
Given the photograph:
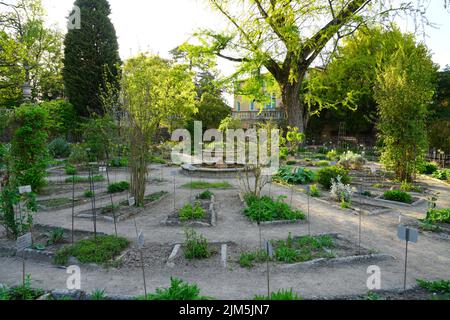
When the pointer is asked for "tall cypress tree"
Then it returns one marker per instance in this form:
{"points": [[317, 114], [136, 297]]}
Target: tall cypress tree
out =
{"points": [[91, 57]]}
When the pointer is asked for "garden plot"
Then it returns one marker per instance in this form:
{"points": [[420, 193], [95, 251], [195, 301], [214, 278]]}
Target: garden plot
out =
{"points": [[47, 240], [306, 251], [207, 215], [122, 210]]}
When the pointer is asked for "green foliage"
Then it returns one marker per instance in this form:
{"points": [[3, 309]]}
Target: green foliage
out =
{"points": [[248, 259], [29, 154], [372, 296], [230, 123], [438, 216], [77, 179], [397, 195], [283, 295], [56, 236], [100, 134], [302, 249], [62, 119], [333, 155], [409, 187], [4, 294], [443, 174], [404, 90], [350, 160], [178, 291], [98, 294], [157, 160], [294, 139], [296, 175], [206, 195], [428, 167], [195, 246], [59, 148], [325, 176], [155, 196], [78, 155], [85, 78], [212, 109], [88, 194], [267, 209], [189, 212], [314, 191], [118, 187], [207, 185], [438, 287], [100, 250], [70, 170], [119, 162], [439, 132], [24, 291], [322, 163]]}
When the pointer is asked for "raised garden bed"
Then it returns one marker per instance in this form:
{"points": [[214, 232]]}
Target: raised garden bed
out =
{"points": [[121, 211], [415, 201], [208, 220]]}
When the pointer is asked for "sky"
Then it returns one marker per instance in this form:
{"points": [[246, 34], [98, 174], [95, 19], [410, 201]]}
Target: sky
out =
{"points": [[157, 26]]}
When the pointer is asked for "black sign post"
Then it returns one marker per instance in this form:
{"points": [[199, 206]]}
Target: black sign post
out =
{"points": [[269, 250]]}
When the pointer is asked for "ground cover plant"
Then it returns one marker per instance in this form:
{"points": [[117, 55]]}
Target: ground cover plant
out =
{"points": [[206, 195], [22, 292], [261, 209], [440, 288], [295, 175], [314, 191], [443, 174], [155, 196], [438, 216], [191, 212], [428, 168], [78, 179], [207, 185], [398, 196], [100, 250], [52, 203], [325, 176], [70, 170], [118, 187], [283, 295], [178, 290], [195, 246]]}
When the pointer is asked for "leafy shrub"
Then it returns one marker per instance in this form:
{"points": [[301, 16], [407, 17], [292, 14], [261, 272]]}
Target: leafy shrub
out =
{"points": [[70, 170], [79, 154], [428, 167], [206, 195], [88, 194], [443, 175], [397, 195], [314, 191], [350, 160], [4, 293], [178, 291], [56, 236], [100, 249], [326, 176], [439, 287], [119, 162], [247, 259], [24, 291], [98, 295], [291, 162], [283, 295], [333, 155], [59, 148], [207, 185], [341, 192], [438, 215], [302, 249], [196, 246], [118, 187], [322, 163], [267, 209], [296, 175], [189, 212], [408, 187]]}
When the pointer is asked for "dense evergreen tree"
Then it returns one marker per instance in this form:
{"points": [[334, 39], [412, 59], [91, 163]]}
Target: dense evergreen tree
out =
{"points": [[91, 57]]}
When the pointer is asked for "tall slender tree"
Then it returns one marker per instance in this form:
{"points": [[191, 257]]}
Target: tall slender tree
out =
{"points": [[91, 57]]}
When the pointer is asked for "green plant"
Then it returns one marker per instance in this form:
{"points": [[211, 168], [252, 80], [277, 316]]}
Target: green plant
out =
{"points": [[267, 209], [438, 287], [118, 187], [302, 249], [333, 155], [283, 295], [295, 175], [291, 162], [195, 245], [157, 160], [366, 193], [56, 236], [372, 296], [325, 176], [88, 194], [408, 187], [247, 259], [98, 294], [207, 185], [77, 179], [109, 208], [350, 160], [179, 291], [438, 216], [79, 154], [341, 192], [98, 250], [346, 205], [189, 212], [397, 195], [70, 170], [24, 291], [443, 174], [322, 163], [4, 293], [314, 191], [59, 148], [119, 162], [428, 167], [155, 196], [206, 195]]}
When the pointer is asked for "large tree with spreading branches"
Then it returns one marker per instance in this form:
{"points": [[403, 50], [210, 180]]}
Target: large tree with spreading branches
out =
{"points": [[286, 37]]}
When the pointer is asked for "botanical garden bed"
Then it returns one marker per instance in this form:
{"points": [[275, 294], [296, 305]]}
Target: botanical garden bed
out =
{"points": [[208, 220]]}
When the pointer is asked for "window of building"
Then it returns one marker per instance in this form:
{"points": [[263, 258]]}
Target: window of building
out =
{"points": [[252, 106], [238, 106]]}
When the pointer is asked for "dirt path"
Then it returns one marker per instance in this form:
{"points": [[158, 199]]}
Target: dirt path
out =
{"points": [[428, 259]]}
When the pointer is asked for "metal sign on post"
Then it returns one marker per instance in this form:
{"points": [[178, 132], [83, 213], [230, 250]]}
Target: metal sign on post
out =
{"points": [[131, 201], [102, 169], [140, 240], [408, 235], [22, 243], [24, 189], [269, 250]]}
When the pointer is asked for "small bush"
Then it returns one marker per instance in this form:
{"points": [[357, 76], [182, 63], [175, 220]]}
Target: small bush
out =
{"points": [[291, 162], [438, 216], [314, 191], [267, 209], [88, 194], [438, 287], [295, 175], [428, 168], [196, 246], [157, 160], [283, 295], [341, 192], [325, 176], [397, 195], [118, 187], [24, 291], [178, 291], [443, 175], [119, 162], [59, 148], [322, 163], [78, 155], [247, 259], [351, 161], [70, 170], [98, 295], [100, 250], [189, 212], [206, 195], [409, 187], [333, 155]]}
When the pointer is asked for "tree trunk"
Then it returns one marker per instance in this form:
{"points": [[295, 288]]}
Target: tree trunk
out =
{"points": [[138, 165], [295, 110]]}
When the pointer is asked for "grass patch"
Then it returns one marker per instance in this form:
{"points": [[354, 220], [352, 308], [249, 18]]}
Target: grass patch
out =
{"points": [[266, 209], [284, 295], [97, 250], [207, 185], [178, 291], [51, 203], [189, 212], [398, 196], [78, 179]]}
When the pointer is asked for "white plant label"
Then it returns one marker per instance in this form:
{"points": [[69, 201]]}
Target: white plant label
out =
{"points": [[24, 189], [24, 242]]}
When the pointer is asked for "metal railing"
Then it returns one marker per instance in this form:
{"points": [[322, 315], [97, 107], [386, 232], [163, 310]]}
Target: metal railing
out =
{"points": [[257, 115]]}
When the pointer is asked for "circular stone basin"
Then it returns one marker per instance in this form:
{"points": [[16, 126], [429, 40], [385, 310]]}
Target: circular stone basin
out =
{"points": [[211, 172]]}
